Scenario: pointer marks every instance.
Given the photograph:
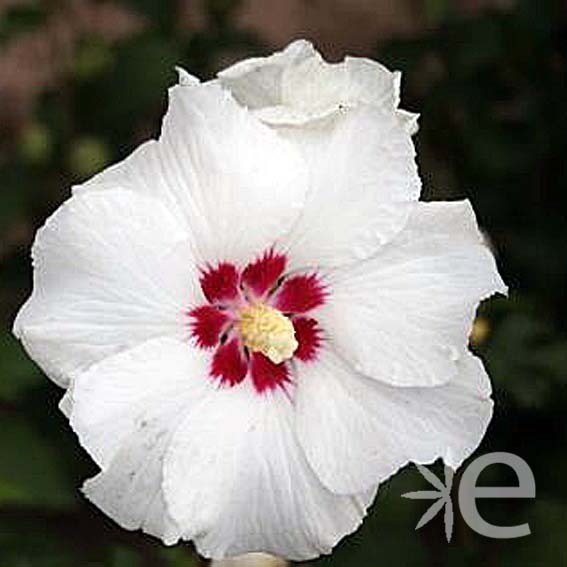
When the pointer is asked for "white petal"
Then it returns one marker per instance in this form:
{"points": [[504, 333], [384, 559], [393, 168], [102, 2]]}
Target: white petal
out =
{"points": [[363, 176], [185, 78], [409, 120], [257, 82], [404, 316], [296, 85], [125, 411], [118, 397], [111, 270], [357, 431], [320, 89], [237, 481], [131, 495], [232, 181], [66, 402]]}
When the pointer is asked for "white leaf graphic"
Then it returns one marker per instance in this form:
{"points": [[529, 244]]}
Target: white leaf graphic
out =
{"points": [[442, 495]]}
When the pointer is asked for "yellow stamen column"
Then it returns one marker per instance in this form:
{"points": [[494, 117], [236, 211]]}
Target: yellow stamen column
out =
{"points": [[267, 330]]}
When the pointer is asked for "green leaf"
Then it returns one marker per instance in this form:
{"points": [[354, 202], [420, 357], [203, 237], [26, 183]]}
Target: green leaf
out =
{"points": [[180, 556], [17, 372], [30, 472], [525, 356]]}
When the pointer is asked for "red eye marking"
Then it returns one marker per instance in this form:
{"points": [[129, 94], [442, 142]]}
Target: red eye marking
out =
{"points": [[262, 274], [228, 363], [308, 335], [266, 375], [300, 294], [228, 291], [207, 324], [220, 283]]}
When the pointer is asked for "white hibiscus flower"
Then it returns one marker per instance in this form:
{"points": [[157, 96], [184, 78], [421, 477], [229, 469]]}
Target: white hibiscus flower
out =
{"points": [[255, 319]]}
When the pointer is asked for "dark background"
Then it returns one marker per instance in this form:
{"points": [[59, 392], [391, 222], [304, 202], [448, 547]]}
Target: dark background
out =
{"points": [[83, 82]]}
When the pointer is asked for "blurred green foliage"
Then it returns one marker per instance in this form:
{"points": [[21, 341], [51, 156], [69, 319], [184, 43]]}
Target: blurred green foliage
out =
{"points": [[491, 89]]}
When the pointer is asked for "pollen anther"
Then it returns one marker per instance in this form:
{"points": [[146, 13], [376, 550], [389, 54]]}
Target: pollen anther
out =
{"points": [[267, 330]]}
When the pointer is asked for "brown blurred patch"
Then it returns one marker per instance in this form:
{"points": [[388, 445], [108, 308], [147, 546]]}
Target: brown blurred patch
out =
{"points": [[337, 27], [35, 61]]}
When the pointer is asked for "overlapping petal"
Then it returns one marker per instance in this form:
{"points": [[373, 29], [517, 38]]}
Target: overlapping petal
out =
{"points": [[111, 270], [363, 178], [357, 431], [234, 183], [361, 164], [404, 316], [125, 411], [182, 458], [236, 480], [296, 86], [256, 83]]}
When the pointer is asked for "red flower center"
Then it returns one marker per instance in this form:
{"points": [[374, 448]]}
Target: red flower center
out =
{"points": [[256, 320]]}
